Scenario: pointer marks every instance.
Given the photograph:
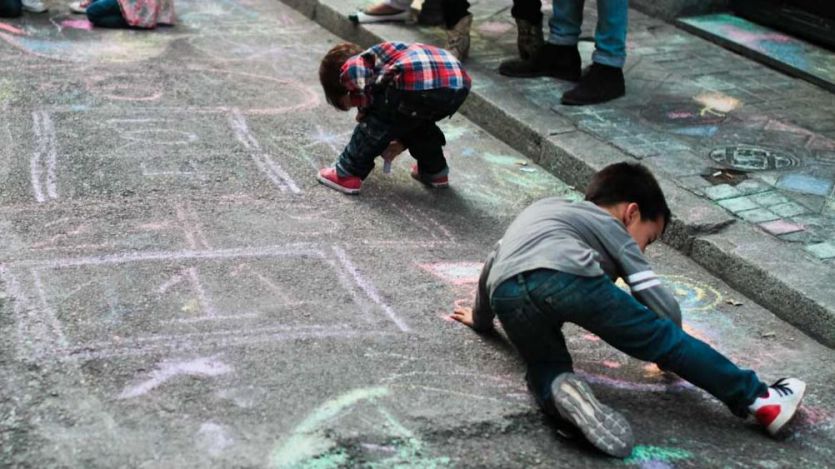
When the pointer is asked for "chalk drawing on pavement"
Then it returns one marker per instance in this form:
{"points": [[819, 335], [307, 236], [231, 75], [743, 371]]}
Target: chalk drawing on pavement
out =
{"points": [[753, 158], [168, 370], [314, 442], [187, 289], [693, 296]]}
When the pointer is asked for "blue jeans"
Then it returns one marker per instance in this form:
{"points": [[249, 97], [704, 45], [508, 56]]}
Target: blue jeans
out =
{"points": [[609, 36], [533, 306], [408, 116], [106, 14], [10, 8]]}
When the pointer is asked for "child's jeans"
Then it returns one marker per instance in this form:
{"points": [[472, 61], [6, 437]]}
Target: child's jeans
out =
{"points": [[408, 116], [533, 306], [106, 14], [10, 8]]}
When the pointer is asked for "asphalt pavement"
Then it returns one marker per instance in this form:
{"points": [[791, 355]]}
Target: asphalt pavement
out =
{"points": [[179, 291]]}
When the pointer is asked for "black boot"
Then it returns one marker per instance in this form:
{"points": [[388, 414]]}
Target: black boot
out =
{"points": [[561, 62], [601, 83], [431, 13]]}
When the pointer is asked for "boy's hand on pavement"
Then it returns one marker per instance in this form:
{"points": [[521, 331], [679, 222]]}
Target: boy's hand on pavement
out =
{"points": [[463, 315]]}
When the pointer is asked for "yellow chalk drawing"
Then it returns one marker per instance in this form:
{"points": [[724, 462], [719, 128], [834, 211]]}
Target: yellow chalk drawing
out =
{"points": [[692, 295], [717, 104]]}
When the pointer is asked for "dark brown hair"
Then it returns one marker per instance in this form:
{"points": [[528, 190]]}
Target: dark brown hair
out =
{"points": [[629, 182], [330, 68]]}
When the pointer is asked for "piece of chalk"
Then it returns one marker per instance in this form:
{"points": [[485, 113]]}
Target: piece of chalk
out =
{"points": [[386, 167]]}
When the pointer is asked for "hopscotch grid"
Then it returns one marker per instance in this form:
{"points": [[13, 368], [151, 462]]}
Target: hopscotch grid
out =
{"points": [[343, 270]]}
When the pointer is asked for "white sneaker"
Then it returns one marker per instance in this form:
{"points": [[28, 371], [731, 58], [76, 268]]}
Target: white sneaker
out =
{"points": [[79, 7], [364, 18], [34, 6], [779, 405]]}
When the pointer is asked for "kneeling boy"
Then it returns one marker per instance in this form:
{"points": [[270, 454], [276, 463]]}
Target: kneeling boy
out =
{"points": [[400, 91], [556, 263]]}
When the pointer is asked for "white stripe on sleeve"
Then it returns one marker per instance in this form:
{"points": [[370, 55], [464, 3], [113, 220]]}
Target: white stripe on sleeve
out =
{"points": [[645, 285], [635, 278]]}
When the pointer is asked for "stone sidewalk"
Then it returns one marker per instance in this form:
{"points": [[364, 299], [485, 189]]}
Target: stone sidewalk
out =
{"points": [[746, 154]]}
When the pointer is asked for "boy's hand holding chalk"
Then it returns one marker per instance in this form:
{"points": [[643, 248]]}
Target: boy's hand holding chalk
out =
{"points": [[390, 153]]}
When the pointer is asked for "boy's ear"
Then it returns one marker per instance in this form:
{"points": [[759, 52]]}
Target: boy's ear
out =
{"points": [[632, 213]]}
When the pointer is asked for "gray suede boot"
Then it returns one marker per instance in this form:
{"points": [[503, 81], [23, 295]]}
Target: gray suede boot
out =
{"points": [[528, 38], [458, 38]]}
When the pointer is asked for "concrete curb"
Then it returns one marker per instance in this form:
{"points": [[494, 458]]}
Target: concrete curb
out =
{"points": [[780, 277]]}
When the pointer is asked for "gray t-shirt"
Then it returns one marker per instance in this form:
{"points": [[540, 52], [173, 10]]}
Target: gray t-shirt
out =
{"points": [[578, 238]]}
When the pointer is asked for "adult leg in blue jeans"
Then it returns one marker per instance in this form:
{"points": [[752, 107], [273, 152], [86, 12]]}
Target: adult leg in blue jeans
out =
{"points": [[106, 14], [604, 79], [10, 8]]}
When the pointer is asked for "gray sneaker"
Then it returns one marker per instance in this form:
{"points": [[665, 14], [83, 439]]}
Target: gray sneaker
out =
{"points": [[605, 428]]}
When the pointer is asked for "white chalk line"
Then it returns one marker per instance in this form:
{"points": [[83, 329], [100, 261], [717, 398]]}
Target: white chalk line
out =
{"points": [[447, 234], [206, 304], [195, 237], [262, 160], [368, 288], [291, 250], [48, 129], [44, 158], [205, 366], [35, 340], [215, 317], [35, 162], [234, 339], [59, 338]]}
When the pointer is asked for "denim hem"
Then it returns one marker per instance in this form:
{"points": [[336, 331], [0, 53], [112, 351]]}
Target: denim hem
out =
{"points": [[608, 59]]}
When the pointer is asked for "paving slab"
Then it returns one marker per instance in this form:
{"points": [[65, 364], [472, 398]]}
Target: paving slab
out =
{"points": [[178, 291], [693, 110]]}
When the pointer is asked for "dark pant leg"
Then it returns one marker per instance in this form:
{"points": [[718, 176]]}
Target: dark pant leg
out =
{"points": [[10, 8], [106, 14], [454, 10], [597, 305], [536, 336], [425, 143], [528, 10]]}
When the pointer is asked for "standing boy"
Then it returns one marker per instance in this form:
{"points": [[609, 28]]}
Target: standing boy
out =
{"points": [[556, 263], [400, 90]]}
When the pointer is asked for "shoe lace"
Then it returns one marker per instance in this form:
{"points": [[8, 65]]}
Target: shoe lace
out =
{"points": [[783, 389]]}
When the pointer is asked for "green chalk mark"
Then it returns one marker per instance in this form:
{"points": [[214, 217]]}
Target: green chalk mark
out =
{"points": [[656, 453]]}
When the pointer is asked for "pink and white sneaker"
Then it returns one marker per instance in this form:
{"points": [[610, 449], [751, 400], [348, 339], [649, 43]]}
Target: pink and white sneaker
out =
{"points": [[331, 178], [437, 181], [779, 404]]}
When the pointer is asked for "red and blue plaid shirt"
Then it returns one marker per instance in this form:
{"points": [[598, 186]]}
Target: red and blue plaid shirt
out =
{"points": [[412, 67]]}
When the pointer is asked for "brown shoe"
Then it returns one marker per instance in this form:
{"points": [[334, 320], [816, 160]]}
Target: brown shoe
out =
{"points": [[458, 38]]}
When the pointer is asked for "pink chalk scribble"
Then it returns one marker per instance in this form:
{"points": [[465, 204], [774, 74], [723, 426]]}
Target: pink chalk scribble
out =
{"points": [[12, 29], [455, 273], [77, 24]]}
